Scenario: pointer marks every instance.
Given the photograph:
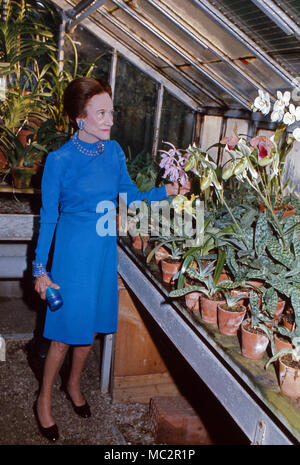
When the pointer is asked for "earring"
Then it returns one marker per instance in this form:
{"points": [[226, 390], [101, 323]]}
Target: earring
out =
{"points": [[81, 124]]}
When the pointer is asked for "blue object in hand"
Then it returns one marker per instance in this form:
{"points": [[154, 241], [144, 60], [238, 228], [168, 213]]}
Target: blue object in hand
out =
{"points": [[54, 299]]}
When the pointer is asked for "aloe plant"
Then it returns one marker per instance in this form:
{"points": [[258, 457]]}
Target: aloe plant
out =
{"points": [[209, 277], [294, 351], [231, 301]]}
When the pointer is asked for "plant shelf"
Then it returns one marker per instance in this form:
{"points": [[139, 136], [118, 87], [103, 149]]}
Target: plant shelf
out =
{"points": [[249, 393]]}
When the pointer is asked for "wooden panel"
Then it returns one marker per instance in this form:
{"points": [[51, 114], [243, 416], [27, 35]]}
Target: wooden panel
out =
{"points": [[139, 370], [136, 352], [141, 388]]}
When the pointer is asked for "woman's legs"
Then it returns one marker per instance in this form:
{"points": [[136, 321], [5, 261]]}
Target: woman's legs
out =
{"points": [[55, 357], [80, 354], [53, 363]]}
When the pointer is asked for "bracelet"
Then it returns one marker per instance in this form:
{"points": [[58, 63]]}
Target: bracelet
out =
{"points": [[38, 270]]}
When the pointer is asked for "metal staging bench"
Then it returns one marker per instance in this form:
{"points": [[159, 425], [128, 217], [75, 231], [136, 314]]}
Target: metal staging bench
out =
{"points": [[248, 392]]}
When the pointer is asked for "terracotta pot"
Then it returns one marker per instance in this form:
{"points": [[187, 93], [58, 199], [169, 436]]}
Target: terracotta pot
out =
{"points": [[285, 211], [209, 307], [169, 269], [287, 323], [160, 254], [278, 311], [192, 299], [3, 160], [289, 379], [281, 343], [137, 242], [230, 321], [223, 277], [22, 176], [236, 292], [254, 345], [255, 282]]}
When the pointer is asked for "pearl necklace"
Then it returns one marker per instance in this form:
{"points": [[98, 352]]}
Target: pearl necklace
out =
{"points": [[90, 153]]}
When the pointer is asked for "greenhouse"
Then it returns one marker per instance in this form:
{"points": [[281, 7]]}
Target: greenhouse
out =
{"points": [[150, 223]]}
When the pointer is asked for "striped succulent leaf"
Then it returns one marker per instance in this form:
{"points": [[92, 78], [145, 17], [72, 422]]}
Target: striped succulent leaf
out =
{"points": [[280, 254], [280, 285], [296, 244], [295, 301], [270, 300], [187, 290], [262, 234]]}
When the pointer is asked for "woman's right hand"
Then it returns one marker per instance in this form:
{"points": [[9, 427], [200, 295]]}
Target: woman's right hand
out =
{"points": [[41, 285]]}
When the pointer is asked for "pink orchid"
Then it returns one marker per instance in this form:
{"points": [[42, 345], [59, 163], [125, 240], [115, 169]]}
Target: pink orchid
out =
{"points": [[263, 144], [258, 139], [173, 162], [231, 142]]}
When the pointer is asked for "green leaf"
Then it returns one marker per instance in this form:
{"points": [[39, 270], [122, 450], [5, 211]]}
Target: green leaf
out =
{"points": [[295, 301], [219, 266], [187, 290], [279, 253], [270, 300], [262, 234]]}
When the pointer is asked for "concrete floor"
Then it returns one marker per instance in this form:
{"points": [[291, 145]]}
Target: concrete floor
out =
{"points": [[110, 424]]}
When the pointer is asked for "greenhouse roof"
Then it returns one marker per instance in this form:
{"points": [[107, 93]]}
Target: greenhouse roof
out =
{"points": [[207, 53]]}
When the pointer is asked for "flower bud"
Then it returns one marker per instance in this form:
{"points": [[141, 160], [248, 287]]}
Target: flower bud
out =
{"points": [[205, 182], [240, 167], [227, 173]]}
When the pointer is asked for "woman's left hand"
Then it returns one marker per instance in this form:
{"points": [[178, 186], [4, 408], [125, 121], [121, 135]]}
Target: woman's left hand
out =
{"points": [[175, 188]]}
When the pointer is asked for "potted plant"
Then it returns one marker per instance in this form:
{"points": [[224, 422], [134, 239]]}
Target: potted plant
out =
{"points": [[22, 159], [230, 314], [212, 290], [255, 335], [289, 368], [170, 265]]}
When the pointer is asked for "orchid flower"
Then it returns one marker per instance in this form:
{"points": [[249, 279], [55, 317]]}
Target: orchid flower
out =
{"points": [[230, 142], [263, 145], [262, 102], [277, 114], [173, 163], [282, 101], [296, 134], [292, 115]]}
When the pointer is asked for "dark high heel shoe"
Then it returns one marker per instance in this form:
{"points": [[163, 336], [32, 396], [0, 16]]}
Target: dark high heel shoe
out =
{"points": [[50, 433], [83, 411]]}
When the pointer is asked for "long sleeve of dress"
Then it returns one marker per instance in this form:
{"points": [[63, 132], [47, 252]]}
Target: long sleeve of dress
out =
{"points": [[127, 186], [50, 207]]}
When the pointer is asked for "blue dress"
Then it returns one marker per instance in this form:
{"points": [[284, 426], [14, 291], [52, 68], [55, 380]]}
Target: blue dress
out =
{"points": [[84, 261]]}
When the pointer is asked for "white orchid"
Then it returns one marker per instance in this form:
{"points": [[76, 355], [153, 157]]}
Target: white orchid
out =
{"points": [[292, 115], [279, 106], [277, 115], [283, 100], [296, 134], [262, 102]]}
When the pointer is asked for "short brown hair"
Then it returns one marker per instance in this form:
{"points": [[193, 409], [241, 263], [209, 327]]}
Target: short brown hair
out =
{"points": [[79, 92]]}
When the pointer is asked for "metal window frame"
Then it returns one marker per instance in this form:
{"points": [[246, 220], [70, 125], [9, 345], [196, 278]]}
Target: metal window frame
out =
{"points": [[178, 91], [236, 32], [204, 42], [278, 16], [220, 82], [156, 54]]}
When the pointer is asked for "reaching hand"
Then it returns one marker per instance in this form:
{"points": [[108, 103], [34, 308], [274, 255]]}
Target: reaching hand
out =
{"points": [[175, 188]]}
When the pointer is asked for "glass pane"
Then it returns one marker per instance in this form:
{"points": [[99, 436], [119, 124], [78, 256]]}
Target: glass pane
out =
{"points": [[177, 121], [134, 101], [89, 48]]}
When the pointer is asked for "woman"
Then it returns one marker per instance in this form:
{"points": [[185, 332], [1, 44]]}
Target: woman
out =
{"points": [[88, 169]]}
